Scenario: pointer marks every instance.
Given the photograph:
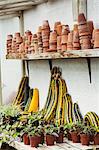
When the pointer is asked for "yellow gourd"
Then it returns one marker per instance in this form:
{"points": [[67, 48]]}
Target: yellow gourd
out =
{"points": [[34, 105]]}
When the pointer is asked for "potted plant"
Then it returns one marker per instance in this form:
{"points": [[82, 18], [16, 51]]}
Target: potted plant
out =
{"points": [[50, 132], [60, 134], [96, 137], [25, 132], [75, 130], [34, 135], [85, 135], [67, 129]]}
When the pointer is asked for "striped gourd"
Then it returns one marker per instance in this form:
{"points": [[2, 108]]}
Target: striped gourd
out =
{"points": [[91, 118], [77, 114], [53, 101]]}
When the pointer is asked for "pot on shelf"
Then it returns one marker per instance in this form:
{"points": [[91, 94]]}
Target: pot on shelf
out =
{"points": [[34, 141], [96, 139], [60, 138]]}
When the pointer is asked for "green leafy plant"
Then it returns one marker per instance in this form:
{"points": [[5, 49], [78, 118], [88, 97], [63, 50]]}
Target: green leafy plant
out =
{"points": [[50, 129]]}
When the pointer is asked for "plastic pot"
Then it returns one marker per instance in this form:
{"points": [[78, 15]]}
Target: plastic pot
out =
{"points": [[75, 137], [26, 139], [60, 138], [34, 141], [96, 139], [50, 139]]}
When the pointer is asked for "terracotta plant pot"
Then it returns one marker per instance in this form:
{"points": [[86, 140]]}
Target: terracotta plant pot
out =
{"points": [[26, 139], [50, 139], [56, 24], [60, 138], [85, 139], [90, 26], [81, 18], [59, 29], [53, 37], [34, 141], [96, 139], [75, 137], [64, 39], [75, 28]]}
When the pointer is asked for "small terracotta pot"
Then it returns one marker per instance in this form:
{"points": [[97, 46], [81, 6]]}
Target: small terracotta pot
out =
{"points": [[64, 47], [17, 34], [75, 137], [90, 26], [85, 139], [81, 18], [64, 39], [96, 139], [9, 37], [50, 139], [75, 28], [75, 37], [70, 37], [45, 24], [56, 24], [59, 29], [84, 34], [26, 139], [34, 141], [60, 138], [45, 44], [53, 37]]}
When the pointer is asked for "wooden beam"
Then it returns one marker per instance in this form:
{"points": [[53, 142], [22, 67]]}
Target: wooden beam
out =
{"points": [[7, 2], [9, 15]]}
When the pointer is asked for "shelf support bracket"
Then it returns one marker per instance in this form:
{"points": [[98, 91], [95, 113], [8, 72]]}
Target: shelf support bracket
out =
{"points": [[50, 64], [89, 69]]}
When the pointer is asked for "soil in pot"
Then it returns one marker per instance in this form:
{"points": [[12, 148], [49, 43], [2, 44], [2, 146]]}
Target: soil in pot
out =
{"points": [[26, 139], [50, 139], [96, 139], [85, 139], [34, 141], [75, 137], [60, 138]]}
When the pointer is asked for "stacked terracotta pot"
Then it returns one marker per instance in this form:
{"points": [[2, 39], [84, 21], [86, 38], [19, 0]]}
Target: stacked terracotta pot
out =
{"points": [[96, 38], [45, 35], [40, 43], [76, 42], [9, 43], [58, 30], [84, 32], [53, 42], [70, 41], [35, 41]]}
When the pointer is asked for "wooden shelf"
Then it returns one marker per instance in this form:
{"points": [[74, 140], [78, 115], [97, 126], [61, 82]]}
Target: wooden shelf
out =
{"points": [[8, 7], [89, 53], [67, 145]]}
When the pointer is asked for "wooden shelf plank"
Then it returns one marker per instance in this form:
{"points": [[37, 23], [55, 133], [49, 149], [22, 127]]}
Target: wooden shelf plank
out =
{"points": [[89, 53], [67, 145]]}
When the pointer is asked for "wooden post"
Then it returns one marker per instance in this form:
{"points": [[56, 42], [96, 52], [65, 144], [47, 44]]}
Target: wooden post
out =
{"points": [[83, 7], [79, 6], [0, 85], [21, 25]]}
